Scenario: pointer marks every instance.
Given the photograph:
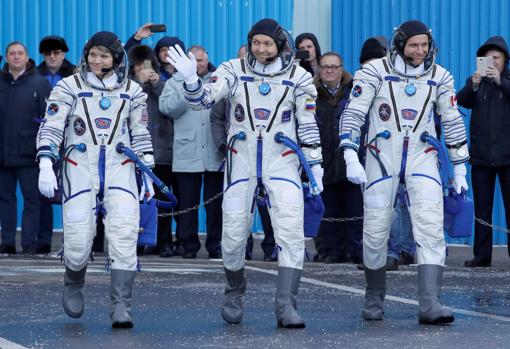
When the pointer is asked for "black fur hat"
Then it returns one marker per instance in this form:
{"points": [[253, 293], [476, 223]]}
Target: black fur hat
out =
{"points": [[52, 42]]}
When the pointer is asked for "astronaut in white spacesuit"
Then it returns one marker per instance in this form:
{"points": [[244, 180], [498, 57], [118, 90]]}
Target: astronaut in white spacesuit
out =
{"points": [[268, 94], [400, 93], [87, 115]]}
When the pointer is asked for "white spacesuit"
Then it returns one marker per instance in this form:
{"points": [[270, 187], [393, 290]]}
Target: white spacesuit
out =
{"points": [[266, 97], [400, 99], [88, 116]]}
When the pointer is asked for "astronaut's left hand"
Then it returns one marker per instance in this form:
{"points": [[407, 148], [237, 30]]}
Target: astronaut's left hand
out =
{"points": [[318, 173], [459, 172], [186, 65], [150, 185]]}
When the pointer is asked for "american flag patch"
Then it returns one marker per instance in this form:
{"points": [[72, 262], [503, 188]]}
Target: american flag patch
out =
{"points": [[310, 104]]}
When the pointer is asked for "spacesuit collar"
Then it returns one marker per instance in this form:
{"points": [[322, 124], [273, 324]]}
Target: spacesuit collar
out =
{"points": [[408, 69], [107, 82], [271, 68]]}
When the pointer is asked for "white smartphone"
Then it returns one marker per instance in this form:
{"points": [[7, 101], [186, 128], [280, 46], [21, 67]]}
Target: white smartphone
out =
{"points": [[482, 63]]}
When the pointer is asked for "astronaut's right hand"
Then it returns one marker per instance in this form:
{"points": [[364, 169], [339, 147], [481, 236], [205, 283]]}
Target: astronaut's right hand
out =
{"points": [[355, 172], [47, 179], [186, 65]]}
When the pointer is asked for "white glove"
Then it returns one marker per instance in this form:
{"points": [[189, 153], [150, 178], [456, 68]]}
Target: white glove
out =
{"points": [[149, 185], [47, 180], [318, 173], [184, 65], [459, 171], [355, 172]]}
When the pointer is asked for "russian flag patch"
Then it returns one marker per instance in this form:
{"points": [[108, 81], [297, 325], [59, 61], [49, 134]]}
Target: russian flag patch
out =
{"points": [[310, 104]]}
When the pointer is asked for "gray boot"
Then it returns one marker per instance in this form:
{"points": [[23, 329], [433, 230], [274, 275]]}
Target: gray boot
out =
{"points": [[72, 297], [121, 290], [429, 286], [374, 294], [232, 309], [285, 301]]}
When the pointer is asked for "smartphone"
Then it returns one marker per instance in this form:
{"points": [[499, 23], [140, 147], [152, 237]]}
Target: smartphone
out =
{"points": [[147, 64], [302, 55], [482, 63], [158, 28]]}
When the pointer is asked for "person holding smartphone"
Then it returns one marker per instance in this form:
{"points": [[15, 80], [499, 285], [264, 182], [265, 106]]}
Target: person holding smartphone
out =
{"points": [[488, 97]]}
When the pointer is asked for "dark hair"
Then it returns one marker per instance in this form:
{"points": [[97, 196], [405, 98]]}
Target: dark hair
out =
{"points": [[15, 43], [331, 53]]}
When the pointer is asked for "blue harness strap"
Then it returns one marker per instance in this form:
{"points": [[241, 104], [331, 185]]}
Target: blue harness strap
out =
{"points": [[402, 194]]}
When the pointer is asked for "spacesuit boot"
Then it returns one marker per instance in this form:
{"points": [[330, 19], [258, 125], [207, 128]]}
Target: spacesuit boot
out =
{"points": [[285, 301], [429, 286], [72, 297], [232, 309], [374, 294], [121, 290]]}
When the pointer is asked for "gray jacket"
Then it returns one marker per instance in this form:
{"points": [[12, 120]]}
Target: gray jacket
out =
{"points": [[194, 149], [161, 128]]}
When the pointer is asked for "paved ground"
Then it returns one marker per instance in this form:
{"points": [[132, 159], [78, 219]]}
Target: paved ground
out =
{"points": [[177, 305]]}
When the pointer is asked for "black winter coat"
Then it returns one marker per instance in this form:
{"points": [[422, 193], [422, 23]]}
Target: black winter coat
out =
{"points": [[490, 119], [22, 105], [328, 111]]}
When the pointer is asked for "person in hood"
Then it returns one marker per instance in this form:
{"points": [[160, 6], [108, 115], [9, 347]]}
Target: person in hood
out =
{"points": [[308, 42], [88, 115], [269, 94], [488, 97], [23, 95], [400, 93]]}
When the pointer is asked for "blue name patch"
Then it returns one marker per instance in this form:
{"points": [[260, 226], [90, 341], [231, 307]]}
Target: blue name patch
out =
{"points": [[409, 114], [103, 123]]}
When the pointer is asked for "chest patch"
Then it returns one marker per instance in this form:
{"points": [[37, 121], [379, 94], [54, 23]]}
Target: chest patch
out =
{"points": [[103, 123], [409, 114], [262, 114], [239, 113], [286, 115], [384, 112], [79, 126]]}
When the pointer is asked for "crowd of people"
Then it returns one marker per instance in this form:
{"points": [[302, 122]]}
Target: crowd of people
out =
{"points": [[212, 129]]}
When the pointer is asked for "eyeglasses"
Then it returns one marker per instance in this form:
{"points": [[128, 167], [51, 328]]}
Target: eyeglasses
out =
{"points": [[52, 52], [330, 67]]}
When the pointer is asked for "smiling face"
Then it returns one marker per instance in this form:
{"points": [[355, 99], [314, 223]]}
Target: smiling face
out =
{"points": [[263, 47], [99, 58], [417, 48]]}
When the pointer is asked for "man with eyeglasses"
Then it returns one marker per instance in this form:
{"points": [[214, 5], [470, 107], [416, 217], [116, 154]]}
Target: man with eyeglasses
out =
{"points": [[400, 93], [336, 242]]}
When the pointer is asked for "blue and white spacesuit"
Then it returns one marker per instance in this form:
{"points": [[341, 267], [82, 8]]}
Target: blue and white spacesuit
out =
{"points": [[88, 115], [400, 99], [266, 97]]}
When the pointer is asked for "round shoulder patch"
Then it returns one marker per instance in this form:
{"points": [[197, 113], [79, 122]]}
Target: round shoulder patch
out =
{"points": [[384, 112], [357, 90], [52, 109]]}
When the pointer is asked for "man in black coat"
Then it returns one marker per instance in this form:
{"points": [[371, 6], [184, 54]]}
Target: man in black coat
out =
{"points": [[488, 97], [336, 242], [23, 96]]}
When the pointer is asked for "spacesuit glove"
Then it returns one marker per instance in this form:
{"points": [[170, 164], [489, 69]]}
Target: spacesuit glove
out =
{"points": [[150, 186], [318, 173], [186, 65], [459, 172], [355, 172], [47, 179]]}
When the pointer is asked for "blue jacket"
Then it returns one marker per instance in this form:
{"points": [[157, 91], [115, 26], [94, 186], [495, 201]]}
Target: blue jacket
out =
{"points": [[194, 149], [22, 106]]}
